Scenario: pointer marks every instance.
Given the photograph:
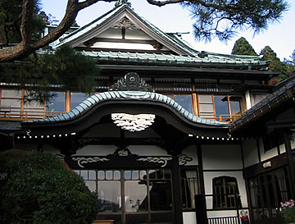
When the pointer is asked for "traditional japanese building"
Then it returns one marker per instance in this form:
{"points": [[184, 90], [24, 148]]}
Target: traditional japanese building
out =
{"points": [[171, 134]]}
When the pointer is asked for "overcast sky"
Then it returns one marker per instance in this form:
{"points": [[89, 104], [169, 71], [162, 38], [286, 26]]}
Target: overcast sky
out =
{"points": [[280, 36]]}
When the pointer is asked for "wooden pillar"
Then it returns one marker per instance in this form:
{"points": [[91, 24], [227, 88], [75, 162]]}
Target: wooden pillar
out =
{"points": [[177, 201], [22, 106], [67, 101], [201, 211], [290, 160]]}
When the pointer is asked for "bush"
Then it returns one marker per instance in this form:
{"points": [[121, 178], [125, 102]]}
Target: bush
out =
{"points": [[36, 188]]}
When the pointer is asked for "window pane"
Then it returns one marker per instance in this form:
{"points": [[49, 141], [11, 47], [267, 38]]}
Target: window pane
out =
{"points": [[206, 106], [100, 175], [185, 101], [225, 193], [135, 196], [109, 196], [205, 99], [189, 186], [221, 108], [91, 185], [77, 98], [160, 194], [127, 175], [236, 105], [57, 103], [10, 98], [109, 174]]}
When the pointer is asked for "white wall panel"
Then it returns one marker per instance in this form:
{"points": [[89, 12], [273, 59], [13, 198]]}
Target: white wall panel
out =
{"points": [[191, 152], [221, 157], [97, 150], [250, 152], [189, 218], [269, 153]]}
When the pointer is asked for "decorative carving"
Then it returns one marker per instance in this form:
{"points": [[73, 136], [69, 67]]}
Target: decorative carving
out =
{"points": [[85, 160], [121, 2], [125, 23], [88, 141], [160, 160], [157, 46], [122, 152], [60, 157], [131, 122], [131, 81], [183, 159]]}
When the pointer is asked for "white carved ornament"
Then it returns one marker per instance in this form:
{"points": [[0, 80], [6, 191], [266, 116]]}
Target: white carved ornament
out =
{"points": [[125, 23], [131, 122]]}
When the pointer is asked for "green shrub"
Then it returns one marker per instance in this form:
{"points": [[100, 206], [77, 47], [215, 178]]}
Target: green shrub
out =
{"points": [[36, 188]]}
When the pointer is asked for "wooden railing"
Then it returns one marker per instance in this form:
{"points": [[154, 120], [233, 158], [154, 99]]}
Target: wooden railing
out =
{"points": [[103, 221], [224, 220], [16, 114]]}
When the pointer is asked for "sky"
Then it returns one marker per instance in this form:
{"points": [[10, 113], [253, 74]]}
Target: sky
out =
{"points": [[280, 36]]}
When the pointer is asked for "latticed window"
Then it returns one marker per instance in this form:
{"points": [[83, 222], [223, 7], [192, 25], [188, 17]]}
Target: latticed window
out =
{"points": [[189, 187], [267, 191], [135, 196], [225, 193]]}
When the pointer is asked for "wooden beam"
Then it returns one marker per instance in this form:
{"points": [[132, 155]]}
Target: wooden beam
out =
{"points": [[123, 40]]}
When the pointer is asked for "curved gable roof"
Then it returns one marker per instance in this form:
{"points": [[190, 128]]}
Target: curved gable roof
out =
{"points": [[92, 110]]}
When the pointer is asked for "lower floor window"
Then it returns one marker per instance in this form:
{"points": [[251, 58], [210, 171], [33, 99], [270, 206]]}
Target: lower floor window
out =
{"points": [[124, 192], [267, 191], [189, 188], [226, 193]]}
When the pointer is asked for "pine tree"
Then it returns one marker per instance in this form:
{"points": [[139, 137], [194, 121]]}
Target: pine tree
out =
{"points": [[242, 47]]}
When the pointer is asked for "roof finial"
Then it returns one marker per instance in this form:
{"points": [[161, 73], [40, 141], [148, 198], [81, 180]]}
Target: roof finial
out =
{"points": [[122, 2]]}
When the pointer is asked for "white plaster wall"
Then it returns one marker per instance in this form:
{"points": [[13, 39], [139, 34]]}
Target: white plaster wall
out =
{"points": [[102, 150], [292, 142], [147, 150], [283, 148], [191, 152], [208, 179], [224, 213], [189, 218], [250, 152], [97, 150], [221, 157]]}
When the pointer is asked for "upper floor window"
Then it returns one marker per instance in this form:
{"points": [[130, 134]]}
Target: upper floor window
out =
{"points": [[77, 98], [56, 103], [185, 101], [220, 108], [225, 193]]}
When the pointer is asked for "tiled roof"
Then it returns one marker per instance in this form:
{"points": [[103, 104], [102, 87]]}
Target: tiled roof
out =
{"points": [[195, 56], [10, 125], [90, 26], [269, 103], [178, 59], [129, 95]]}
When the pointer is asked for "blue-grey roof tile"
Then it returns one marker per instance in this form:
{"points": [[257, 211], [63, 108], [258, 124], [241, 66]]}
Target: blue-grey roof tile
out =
{"points": [[75, 111], [79, 108]]}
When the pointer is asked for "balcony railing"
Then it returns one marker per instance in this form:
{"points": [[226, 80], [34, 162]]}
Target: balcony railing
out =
{"points": [[16, 114], [224, 220]]}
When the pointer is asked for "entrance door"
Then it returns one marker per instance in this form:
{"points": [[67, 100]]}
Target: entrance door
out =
{"points": [[132, 196]]}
